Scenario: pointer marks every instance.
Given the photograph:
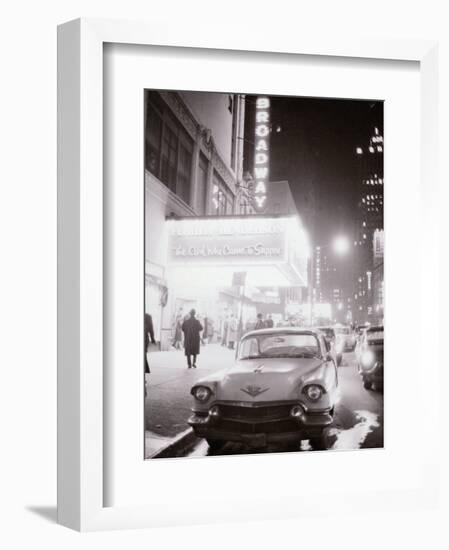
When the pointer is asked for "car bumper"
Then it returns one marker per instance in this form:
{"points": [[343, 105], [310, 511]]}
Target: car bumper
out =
{"points": [[262, 432]]}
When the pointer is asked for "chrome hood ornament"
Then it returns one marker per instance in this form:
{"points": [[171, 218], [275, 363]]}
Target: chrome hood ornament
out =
{"points": [[253, 391]]}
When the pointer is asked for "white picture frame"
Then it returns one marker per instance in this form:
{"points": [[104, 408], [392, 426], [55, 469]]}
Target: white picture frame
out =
{"points": [[81, 487]]}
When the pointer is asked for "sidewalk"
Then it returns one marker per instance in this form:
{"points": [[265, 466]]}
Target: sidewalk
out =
{"points": [[168, 402]]}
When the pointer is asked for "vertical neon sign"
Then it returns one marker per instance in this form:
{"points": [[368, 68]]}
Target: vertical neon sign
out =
{"points": [[261, 152]]}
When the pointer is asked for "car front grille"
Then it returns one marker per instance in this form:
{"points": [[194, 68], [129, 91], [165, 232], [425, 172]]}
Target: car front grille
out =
{"points": [[251, 420], [286, 425], [268, 412]]}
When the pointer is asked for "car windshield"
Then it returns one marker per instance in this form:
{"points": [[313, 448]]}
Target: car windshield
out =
{"points": [[279, 345], [329, 333]]}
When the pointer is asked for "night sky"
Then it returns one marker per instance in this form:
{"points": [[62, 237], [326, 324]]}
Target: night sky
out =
{"points": [[315, 151]]}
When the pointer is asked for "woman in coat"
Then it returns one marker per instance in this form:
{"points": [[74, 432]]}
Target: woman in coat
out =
{"points": [[191, 329]]}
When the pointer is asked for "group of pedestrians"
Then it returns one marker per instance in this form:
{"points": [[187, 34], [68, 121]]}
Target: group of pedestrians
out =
{"points": [[187, 331], [207, 331], [190, 333], [263, 323]]}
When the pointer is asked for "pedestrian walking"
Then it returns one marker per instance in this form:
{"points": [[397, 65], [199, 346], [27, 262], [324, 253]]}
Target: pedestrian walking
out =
{"points": [[205, 334], [224, 332], [259, 324], [232, 331], [210, 330], [177, 339], [149, 337], [269, 323], [191, 329]]}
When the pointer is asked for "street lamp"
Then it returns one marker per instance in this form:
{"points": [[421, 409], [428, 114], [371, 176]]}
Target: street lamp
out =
{"points": [[341, 245]]}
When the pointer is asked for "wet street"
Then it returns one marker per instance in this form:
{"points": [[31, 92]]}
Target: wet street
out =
{"points": [[358, 420]]}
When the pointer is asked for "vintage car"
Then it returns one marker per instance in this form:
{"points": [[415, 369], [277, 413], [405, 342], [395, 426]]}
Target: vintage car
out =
{"points": [[282, 388], [370, 357]]}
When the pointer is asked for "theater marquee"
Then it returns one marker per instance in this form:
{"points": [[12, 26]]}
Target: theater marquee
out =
{"points": [[235, 241]]}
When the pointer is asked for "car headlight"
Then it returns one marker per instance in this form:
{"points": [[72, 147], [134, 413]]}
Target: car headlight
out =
{"points": [[367, 359], [314, 392], [201, 393]]}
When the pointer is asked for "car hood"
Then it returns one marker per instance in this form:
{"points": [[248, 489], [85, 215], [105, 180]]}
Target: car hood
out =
{"points": [[257, 380]]}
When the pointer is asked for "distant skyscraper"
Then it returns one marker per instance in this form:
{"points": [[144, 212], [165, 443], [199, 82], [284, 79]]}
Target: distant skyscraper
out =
{"points": [[369, 218]]}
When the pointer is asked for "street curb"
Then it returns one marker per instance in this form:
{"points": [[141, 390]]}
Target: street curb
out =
{"points": [[176, 445]]}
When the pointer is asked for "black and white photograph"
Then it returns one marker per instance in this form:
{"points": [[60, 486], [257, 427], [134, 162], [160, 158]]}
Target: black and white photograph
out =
{"points": [[264, 274]]}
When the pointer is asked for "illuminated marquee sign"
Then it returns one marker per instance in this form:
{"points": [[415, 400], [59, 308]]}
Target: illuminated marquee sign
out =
{"points": [[261, 152], [227, 241]]}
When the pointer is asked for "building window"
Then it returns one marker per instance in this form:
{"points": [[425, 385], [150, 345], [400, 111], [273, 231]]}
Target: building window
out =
{"points": [[169, 158], [201, 186], [153, 140], [222, 198], [168, 148]]}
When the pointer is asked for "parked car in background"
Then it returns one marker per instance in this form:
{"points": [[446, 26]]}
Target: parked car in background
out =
{"points": [[371, 357], [345, 338], [331, 338], [359, 332], [281, 388]]}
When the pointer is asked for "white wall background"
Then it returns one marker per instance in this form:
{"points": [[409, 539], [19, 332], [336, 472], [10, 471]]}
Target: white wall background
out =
{"points": [[28, 270]]}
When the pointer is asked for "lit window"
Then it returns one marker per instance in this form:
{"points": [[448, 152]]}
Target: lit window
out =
{"points": [[371, 149], [379, 148], [359, 151]]}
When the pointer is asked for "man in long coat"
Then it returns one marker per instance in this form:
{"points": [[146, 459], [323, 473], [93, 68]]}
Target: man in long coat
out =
{"points": [[191, 329], [149, 336]]}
